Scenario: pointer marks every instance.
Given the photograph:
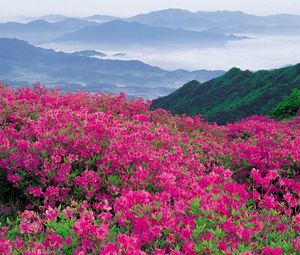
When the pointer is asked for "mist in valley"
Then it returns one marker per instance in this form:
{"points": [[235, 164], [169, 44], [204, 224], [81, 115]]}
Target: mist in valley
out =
{"points": [[257, 52]]}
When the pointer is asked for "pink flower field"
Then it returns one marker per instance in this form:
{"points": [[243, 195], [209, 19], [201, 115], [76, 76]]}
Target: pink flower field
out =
{"points": [[103, 174]]}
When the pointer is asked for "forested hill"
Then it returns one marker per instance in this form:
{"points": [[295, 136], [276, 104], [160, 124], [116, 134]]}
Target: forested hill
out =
{"points": [[234, 95]]}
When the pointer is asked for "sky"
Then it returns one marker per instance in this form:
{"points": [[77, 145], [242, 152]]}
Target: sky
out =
{"points": [[126, 8]]}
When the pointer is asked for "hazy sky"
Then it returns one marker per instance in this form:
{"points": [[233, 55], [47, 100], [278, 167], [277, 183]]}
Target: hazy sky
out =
{"points": [[125, 8]]}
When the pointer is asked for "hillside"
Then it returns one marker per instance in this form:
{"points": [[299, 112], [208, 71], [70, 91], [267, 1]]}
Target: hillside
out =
{"points": [[41, 30], [236, 94], [125, 34], [101, 174], [25, 63], [222, 21], [35, 31]]}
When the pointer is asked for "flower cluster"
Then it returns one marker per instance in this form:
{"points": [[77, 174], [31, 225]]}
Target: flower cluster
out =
{"points": [[103, 174]]}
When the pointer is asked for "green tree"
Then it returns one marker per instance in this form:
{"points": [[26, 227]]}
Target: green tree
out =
{"points": [[288, 106]]}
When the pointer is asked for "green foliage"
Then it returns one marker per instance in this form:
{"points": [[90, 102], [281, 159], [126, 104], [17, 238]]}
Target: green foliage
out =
{"points": [[114, 231], [13, 228], [62, 226], [235, 95], [115, 180], [288, 106]]}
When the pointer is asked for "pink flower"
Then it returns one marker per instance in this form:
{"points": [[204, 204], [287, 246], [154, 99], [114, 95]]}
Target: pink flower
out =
{"points": [[30, 223], [68, 240], [13, 178], [281, 227], [53, 241], [35, 191], [50, 214], [102, 231], [271, 251], [256, 176], [268, 202], [222, 246], [109, 249], [227, 174]]}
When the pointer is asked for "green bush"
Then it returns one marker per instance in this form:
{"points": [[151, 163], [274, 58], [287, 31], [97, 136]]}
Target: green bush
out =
{"points": [[288, 106]]}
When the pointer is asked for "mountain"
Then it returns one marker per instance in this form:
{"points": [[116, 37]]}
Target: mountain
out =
{"points": [[74, 23], [101, 18], [35, 31], [22, 62], [40, 30], [264, 30], [234, 95], [225, 21], [171, 27], [53, 18], [165, 18], [131, 34]]}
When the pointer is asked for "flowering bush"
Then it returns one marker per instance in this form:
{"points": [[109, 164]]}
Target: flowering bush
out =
{"points": [[102, 174]]}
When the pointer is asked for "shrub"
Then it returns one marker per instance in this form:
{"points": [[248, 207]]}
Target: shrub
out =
{"points": [[102, 174], [288, 107]]}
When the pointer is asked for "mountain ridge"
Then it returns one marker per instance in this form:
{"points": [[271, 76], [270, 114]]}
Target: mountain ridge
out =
{"points": [[234, 95], [22, 61], [119, 32], [225, 21]]}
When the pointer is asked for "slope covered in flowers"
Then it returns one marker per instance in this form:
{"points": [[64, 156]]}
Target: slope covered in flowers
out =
{"points": [[101, 174]]}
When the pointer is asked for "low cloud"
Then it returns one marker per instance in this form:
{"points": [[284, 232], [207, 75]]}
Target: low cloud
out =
{"points": [[259, 52]]}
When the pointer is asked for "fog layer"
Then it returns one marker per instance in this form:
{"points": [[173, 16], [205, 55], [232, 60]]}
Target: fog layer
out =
{"points": [[259, 52]]}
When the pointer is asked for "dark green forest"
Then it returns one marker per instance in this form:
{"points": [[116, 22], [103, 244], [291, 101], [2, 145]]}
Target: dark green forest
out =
{"points": [[235, 95], [288, 107]]}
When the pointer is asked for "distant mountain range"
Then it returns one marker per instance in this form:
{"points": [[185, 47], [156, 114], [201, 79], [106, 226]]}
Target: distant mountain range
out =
{"points": [[38, 31], [225, 21], [96, 18], [166, 27], [102, 18], [23, 63], [236, 94], [123, 34], [222, 21], [34, 31], [52, 18], [74, 23]]}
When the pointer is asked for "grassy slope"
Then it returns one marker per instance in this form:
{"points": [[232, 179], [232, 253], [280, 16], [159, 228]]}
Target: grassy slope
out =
{"points": [[235, 95]]}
